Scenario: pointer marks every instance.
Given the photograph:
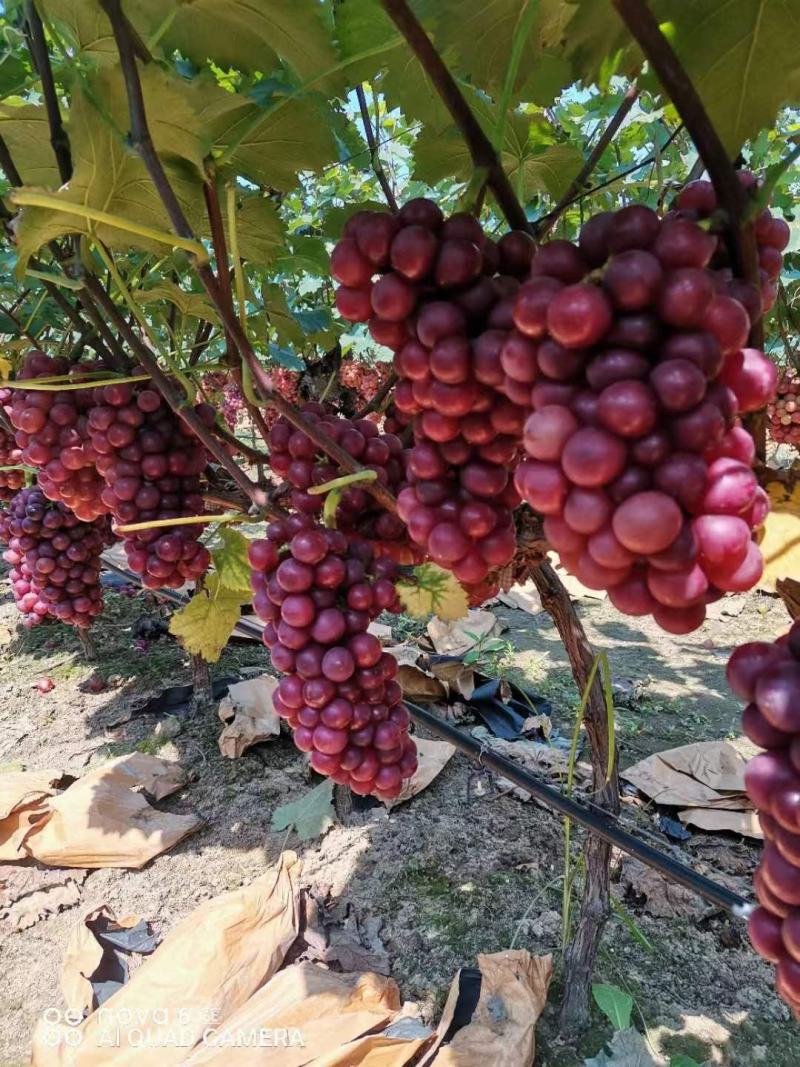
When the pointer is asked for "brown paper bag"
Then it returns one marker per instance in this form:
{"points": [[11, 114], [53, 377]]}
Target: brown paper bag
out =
{"points": [[204, 970], [319, 1010], [104, 820]]}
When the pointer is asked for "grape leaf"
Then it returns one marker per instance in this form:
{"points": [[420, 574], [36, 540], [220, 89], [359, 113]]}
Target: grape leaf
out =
{"points": [[194, 305], [231, 562], [482, 36], [85, 25], [614, 1003], [248, 36], [109, 177], [204, 626], [27, 134], [742, 57], [433, 590], [628, 1049], [309, 816]]}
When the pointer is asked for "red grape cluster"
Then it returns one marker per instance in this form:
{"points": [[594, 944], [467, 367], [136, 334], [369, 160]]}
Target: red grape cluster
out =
{"points": [[11, 481], [767, 676], [295, 457], [317, 591], [55, 559], [698, 200], [221, 390], [151, 466], [784, 410], [443, 301], [52, 434], [365, 380], [637, 458]]}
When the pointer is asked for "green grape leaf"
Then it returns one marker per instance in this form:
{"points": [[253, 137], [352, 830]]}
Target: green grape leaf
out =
{"points": [[292, 135], [85, 25], [433, 590], [287, 329], [205, 625], [530, 158], [742, 57], [308, 256], [231, 562], [310, 816], [109, 177], [193, 305], [614, 1003], [25, 130], [259, 230], [482, 36], [248, 36]]}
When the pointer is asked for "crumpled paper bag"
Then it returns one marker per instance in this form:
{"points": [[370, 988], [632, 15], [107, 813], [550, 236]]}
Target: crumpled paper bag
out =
{"points": [[706, 779], [205, 969], [104, 820], [432, 757], [325, 1009], [250, 717], [456, 638], [502, 1030], [83, 956], [23, 801]]}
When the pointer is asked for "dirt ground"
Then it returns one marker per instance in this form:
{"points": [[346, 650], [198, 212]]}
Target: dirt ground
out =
{"points": [[457, 871]]}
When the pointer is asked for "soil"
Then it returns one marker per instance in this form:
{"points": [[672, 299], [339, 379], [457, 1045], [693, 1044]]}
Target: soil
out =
{"points": [[463, 868]]}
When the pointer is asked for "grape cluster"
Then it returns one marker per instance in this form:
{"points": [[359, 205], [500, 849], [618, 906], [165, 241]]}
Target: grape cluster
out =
{"points": [[224, 393], [151, 466], [698, 200], [317, 592], [784, 410], [55, 559], [636, 455], [11, 481], [365, 380], [52, 434], [767, 676], [295, 457], [443, 301]]}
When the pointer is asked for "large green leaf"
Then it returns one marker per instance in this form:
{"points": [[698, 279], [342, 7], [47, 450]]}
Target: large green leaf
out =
{"points": [[27, 134], [367, 36], [742, 56], [110, 177], [482, 35], [249, 35], [84, 24], [591, 35], [193, 305]]}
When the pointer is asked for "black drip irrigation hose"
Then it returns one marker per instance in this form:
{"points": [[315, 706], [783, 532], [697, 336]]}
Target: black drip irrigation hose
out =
{"points": [[589, 816], [592, 818]]}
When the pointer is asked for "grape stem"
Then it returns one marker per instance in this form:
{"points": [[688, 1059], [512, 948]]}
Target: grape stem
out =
{"points": [[546, 223], [380, 396], [37, 45], [377, 166], [481, 149], [184, 520], [341, 483]]}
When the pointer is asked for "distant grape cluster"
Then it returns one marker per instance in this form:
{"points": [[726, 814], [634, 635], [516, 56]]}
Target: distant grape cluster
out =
{"points": [[151, 466], [295, 457], [317, 591], [767, 676], [440, 293], [784, 410], [636, 455], [363, 378], [11, 481], [54, 558]]}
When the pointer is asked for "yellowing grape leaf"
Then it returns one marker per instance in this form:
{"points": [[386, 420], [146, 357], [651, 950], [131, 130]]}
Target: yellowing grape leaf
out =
{"points": [[6, 366], [433, 591], [205, 624], [25, 131], [780, 540], [193, 305], [230, 561]]}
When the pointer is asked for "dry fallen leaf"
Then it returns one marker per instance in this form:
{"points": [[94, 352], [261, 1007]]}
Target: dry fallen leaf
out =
{"points": [[29, 894], [456, 638]]}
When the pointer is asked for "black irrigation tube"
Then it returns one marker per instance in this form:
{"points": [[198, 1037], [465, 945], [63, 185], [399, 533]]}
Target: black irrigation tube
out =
{"points": [[589, 816], [592, 818]]}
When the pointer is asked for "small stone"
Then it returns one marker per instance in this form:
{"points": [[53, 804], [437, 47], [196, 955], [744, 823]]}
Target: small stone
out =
{"points": [[170, 726]]}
